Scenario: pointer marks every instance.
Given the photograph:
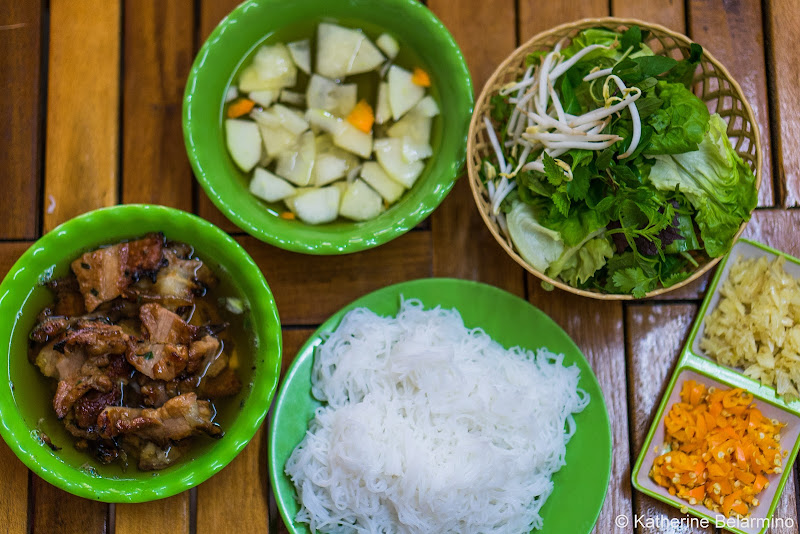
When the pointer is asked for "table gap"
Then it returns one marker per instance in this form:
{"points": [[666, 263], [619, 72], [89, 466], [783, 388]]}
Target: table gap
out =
{"points": [[44, 58], [121, 114], [772, 108]]}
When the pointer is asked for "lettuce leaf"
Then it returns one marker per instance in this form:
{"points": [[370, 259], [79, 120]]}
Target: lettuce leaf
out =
{"points": [[681, 122], [537, 245], [716, 182], [578, 264]]}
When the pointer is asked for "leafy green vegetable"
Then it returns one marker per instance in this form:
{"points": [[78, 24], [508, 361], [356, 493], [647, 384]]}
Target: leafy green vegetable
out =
{"points": [[716, 182], [683, 72], [632, 37], [535, 58], [555, 174], [584, 261], [501, 109], [633, 280], [569, 100], [635, 70], [680, 123], [592, 36], [539, 246], [581, 223]]}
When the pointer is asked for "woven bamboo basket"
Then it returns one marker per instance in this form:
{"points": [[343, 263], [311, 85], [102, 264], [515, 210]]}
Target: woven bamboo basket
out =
{"points": [[712, 83]]}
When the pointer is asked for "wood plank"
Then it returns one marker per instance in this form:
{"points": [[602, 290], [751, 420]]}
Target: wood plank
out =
{"points": [[669, 13], [786, 509], [535, 17], [10, 253], [83, 106], [80, 173], [211, 13], [171, 515], [20, 126], [783, 40], [776, 228], [596, 326], [244, 486], [308, 289], [293, 340], [55, 510], [13, 504], [158, 52], [733, 33], [655, 336], [457, 226]]}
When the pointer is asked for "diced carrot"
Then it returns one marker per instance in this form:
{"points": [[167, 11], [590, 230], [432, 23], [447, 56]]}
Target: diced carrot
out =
{"points": [[288, 215], [740, 509], [421, 78], [239, 107], [698, 493], [722, 449], [362, 116], [740, 457]]}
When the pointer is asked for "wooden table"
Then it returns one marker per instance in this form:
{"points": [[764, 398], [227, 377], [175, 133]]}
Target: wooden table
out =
{"points": [[90, 111]]}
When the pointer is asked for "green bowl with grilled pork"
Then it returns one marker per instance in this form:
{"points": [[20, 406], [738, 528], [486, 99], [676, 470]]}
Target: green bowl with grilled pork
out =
{"points": [[28, 421]]}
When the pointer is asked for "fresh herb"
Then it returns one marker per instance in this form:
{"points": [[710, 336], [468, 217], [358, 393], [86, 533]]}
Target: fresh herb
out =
{"points": [[85, 265], [146, 355]]}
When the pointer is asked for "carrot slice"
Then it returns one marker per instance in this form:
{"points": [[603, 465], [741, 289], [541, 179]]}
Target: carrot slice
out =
{"points": [[362, 116], [239, 107], [421, 78], [288, 215]]}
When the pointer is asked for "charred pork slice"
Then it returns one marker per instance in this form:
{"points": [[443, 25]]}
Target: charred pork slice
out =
{"points": [[104, 273], [204, 355], [179, 418], [50, 327], [96, 337], [157, 360], [88, 407], [162, 326], [70, 390], [59, 364], [177, 282], [69, 300]]}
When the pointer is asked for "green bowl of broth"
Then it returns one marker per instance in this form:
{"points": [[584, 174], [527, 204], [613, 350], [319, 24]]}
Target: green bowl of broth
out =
{"points": [[424, 42], [26, 397]]}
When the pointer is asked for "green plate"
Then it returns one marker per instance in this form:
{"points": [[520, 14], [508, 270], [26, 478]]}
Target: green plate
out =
{"points": [[26, 396], [580, 486], [241, 32]]}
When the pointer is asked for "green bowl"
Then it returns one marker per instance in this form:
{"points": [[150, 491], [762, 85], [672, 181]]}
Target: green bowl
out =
{"points": [[26, 396], [241, 32], [579, 487]]}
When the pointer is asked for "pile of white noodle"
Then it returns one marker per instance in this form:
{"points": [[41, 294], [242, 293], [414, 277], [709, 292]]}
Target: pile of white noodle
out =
{"points": [[430, 427]]}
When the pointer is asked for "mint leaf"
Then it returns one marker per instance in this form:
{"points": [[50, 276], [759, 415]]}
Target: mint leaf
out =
{"points": [[632, 38], [604, 158], [555, 174], [561, 202], [655, 65], [578, 187]]}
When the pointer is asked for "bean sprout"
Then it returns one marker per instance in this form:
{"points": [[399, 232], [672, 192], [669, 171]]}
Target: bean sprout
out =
{"points": [[539, 121]]}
